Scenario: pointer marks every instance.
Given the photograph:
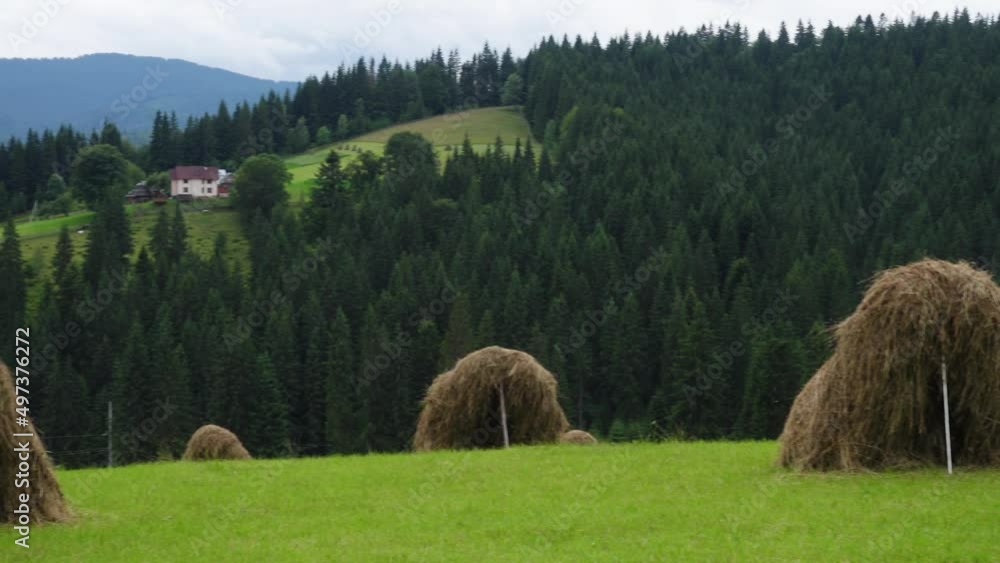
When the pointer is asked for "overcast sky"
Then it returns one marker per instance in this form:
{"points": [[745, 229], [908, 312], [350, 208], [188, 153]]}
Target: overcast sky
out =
{"points": [[289, 39]]}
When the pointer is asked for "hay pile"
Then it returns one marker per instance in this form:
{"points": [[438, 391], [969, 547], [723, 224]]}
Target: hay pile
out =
{"points": [[877, 402], [214, 442], [462, 407], [578, 437], [46, 502]]}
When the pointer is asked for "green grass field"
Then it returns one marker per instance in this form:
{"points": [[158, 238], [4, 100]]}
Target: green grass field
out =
{"points": [[639, 502], [45, 227], [445, 132]]}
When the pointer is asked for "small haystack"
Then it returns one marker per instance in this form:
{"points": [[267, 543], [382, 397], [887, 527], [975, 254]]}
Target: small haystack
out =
{"points": [[877, 402], [45, 499], [581, 437], [463, 406], [214, 442]]}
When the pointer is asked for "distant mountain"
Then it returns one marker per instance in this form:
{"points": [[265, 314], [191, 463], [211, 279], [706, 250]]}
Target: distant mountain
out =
{"points": [[124, 89]]}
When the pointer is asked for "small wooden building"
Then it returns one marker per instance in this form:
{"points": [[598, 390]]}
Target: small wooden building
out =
{"points": [[142, 193]]}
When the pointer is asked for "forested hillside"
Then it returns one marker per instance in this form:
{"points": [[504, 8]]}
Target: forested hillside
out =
{"points": [[700, 211], [126, 90]]}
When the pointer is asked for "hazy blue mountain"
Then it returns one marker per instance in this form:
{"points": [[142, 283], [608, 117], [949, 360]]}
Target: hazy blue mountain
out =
{"points": [[125, 89]]}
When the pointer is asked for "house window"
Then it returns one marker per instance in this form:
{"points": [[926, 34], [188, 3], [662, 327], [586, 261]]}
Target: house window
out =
{"points": [[185, 180], [185, 189]]}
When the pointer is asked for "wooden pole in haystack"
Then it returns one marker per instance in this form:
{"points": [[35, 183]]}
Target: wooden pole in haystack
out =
{"points": [[503, 420], [111, 457], [947, 421]]}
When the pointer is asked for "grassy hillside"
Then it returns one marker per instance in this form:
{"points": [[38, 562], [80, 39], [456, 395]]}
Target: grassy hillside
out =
{"points": [[204, 220], [642, 502], [482, 126]]}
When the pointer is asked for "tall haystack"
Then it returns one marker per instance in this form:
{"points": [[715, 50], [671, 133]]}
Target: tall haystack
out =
{"points": [[214, 442], [467, 406], [581, 437], [877, 402], [45, 499]]}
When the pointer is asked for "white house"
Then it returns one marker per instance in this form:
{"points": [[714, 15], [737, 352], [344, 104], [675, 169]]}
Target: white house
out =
{"points": [[188, 182]]}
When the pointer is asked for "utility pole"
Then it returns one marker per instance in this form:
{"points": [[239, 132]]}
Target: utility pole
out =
{"points": [[110, 456]]}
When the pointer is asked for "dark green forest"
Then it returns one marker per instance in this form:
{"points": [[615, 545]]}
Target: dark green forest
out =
{"points": [[700, 210]]}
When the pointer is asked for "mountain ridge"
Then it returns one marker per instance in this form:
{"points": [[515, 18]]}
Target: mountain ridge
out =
{"points": [[125, 89]]}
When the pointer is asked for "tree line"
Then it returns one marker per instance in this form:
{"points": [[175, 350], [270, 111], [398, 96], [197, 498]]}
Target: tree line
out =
{"points": [[699, 210]]}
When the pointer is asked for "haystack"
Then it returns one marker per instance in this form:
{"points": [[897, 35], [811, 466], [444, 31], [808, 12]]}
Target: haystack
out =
{"points": [[581, 437], [877, 402], [467, 406], [214, 442], [45, 499]]}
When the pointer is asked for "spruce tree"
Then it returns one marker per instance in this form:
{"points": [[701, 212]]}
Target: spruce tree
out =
{"points": [[266, 432], [134, 397], [66, 413], [13, 291], [460, 338], [342, 402], [777, 363]]}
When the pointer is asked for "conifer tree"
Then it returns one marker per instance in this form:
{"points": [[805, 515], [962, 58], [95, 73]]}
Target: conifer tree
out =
{"points": [[265, 413], [13, 290], [776, 366], [343, 425]]}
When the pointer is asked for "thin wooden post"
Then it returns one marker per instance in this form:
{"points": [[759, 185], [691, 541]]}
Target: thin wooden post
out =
{"points": [[503, 419], [947, 421], [110, 442]]}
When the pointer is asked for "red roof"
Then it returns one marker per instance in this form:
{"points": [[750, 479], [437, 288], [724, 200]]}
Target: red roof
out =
{"points": [[194, 173]]}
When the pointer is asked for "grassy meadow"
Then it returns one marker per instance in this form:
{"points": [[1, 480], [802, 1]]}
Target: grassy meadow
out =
{"points": [[445, 132], [709, 501], [482, 126], [205, 220]]}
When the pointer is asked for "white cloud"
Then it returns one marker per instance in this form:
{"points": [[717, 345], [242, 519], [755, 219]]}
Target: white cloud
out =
{"points": [[289, 39]]}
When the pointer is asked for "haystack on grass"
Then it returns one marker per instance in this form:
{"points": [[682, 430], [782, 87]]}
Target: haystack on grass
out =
{"points": [[877, 402], [581, 437], [214, 442], [45, 499], [467, 406]]}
